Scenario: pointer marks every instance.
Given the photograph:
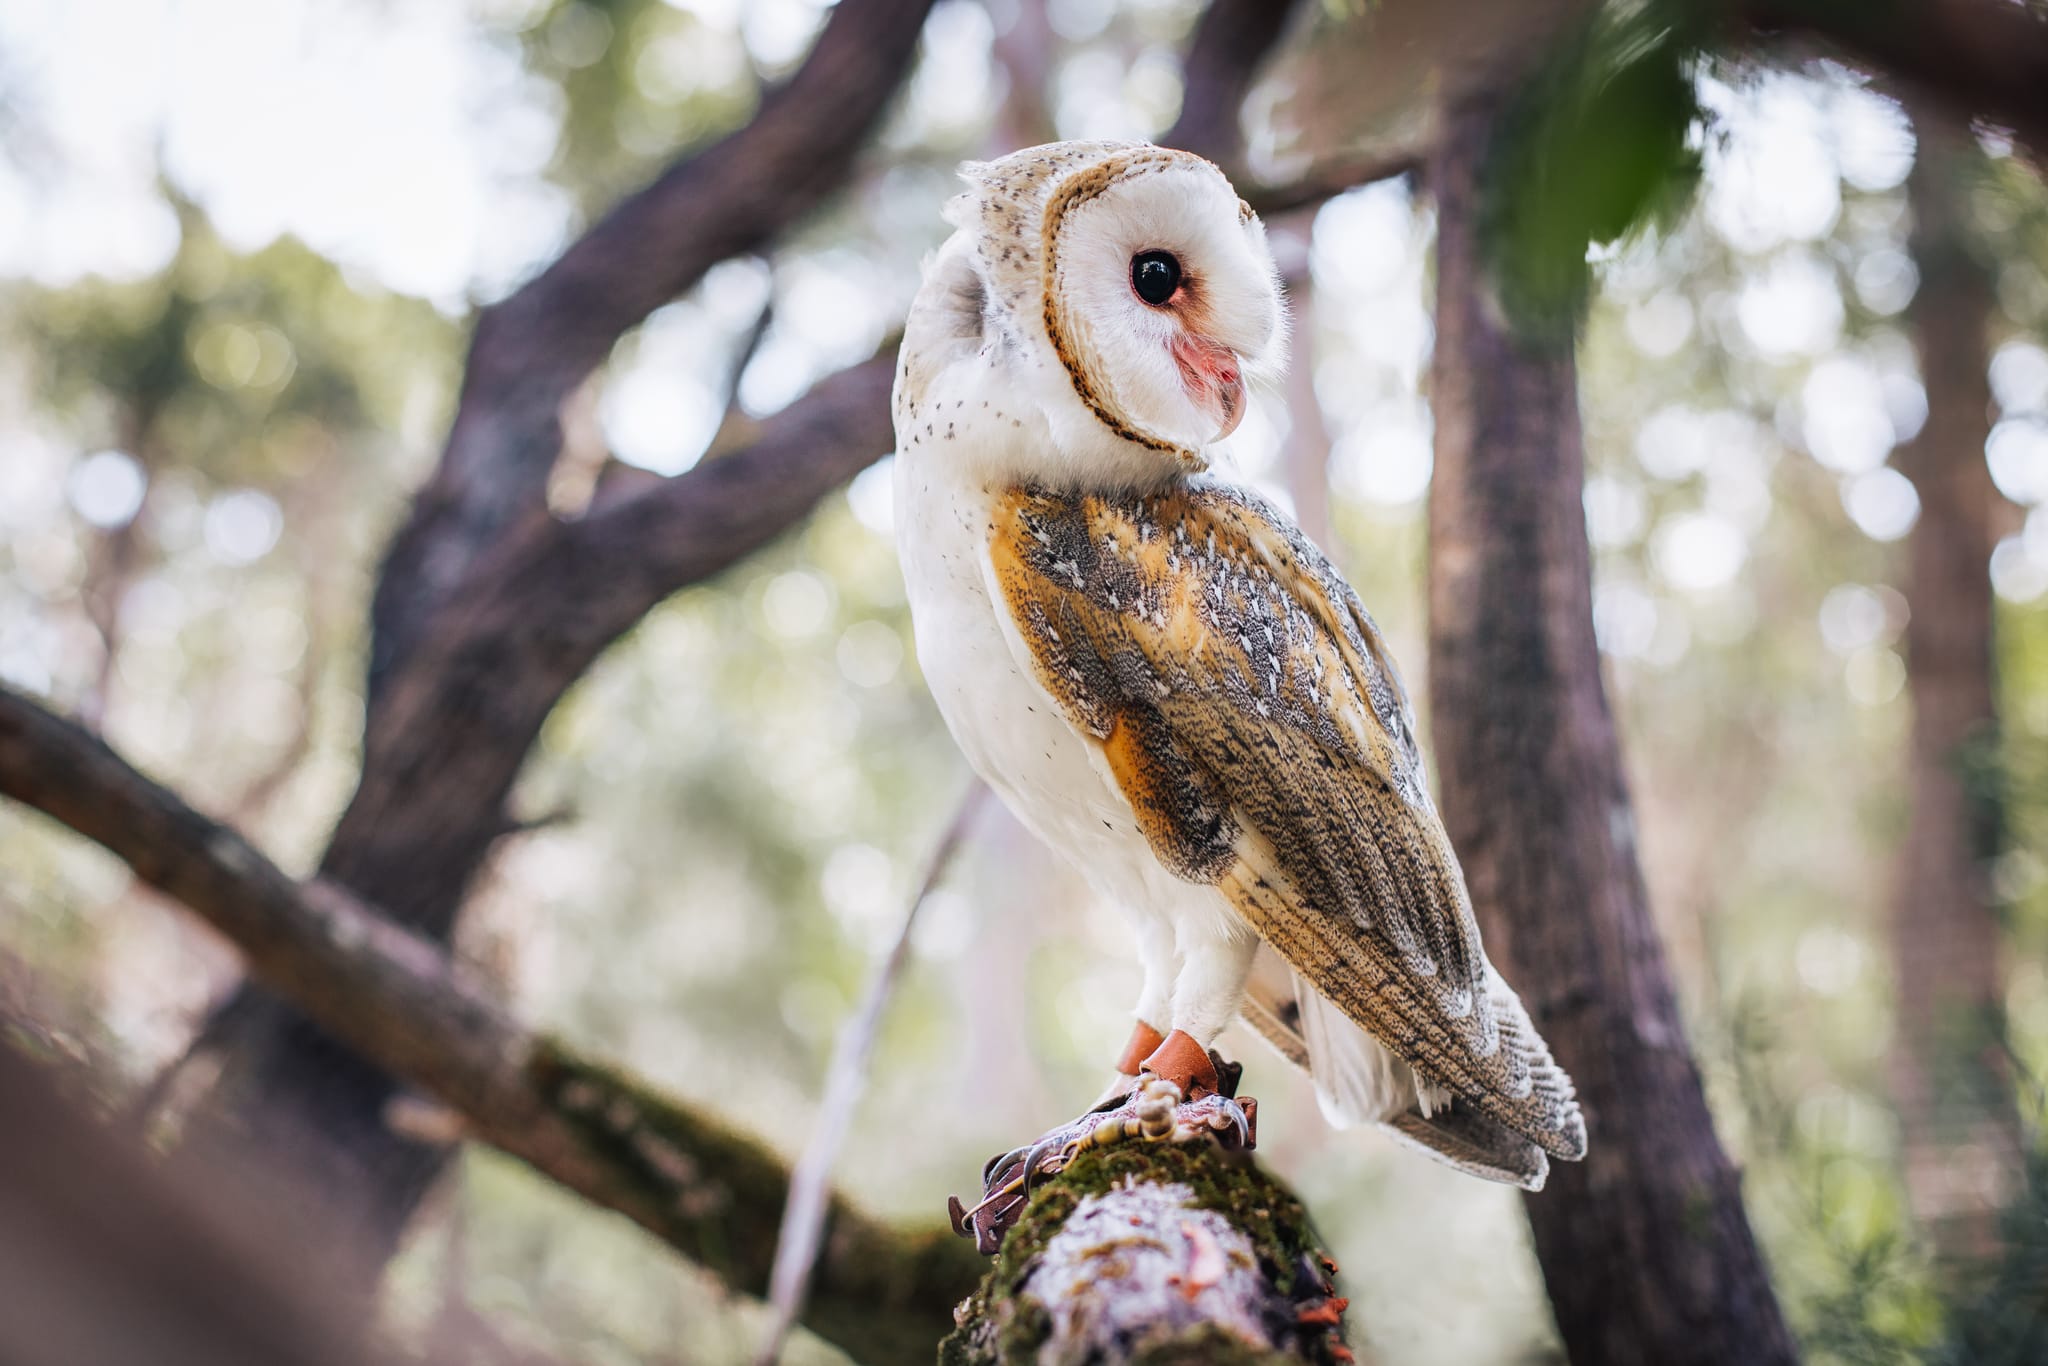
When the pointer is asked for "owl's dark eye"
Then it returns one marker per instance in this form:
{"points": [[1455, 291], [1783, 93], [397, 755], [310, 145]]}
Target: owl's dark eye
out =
{"points": [[1155, 275]]}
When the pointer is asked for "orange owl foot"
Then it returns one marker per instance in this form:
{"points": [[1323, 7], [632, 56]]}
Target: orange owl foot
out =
{"points": [[1176, 1098]]}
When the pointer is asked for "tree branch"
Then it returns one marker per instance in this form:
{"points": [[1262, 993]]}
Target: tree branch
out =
{"points": [[1328, 180], [306, 1114], [441, 756], [532, 350], [1155, 1252], [397, 999], [1982, 58], [440, 759], [1232, 40]]}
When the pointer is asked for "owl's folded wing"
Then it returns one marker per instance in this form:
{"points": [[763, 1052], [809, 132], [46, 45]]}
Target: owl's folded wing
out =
{"points": [[1244, 703]]}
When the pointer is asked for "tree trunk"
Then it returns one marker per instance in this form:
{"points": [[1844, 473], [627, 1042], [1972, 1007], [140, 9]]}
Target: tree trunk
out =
{"points": [[1959, 1129], [300, 1113], [1645, 1247], [1155, 1253]]}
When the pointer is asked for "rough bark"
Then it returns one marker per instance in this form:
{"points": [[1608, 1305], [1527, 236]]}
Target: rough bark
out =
{"points": [[1231, 42], [1645, 1247], [531, 351], [397, 1000], [1958, 1124], [301, 1113], [1154, 1253]]}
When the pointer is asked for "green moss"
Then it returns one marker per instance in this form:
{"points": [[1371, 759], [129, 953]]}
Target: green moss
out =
{"points": [[712, 1192], [716, 1195], [1002, 1324]]}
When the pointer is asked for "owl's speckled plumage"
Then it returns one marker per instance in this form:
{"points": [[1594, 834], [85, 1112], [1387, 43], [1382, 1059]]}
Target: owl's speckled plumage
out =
{"points": [[1164, 679]]}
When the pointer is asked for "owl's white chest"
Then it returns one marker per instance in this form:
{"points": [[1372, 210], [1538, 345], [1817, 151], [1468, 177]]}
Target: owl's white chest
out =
{"points": [[1003, 721], [1009, 729]]}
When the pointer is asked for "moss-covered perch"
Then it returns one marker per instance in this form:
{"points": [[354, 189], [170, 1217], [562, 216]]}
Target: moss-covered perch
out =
{"points": [[1154, 1253], [883, 1294]]}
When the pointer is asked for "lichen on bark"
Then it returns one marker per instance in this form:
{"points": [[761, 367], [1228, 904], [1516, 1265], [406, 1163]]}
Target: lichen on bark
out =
{"points": [[1154, 1253]]}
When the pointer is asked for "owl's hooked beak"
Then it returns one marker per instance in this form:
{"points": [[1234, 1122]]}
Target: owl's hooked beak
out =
{"points": [[1214, 379]]}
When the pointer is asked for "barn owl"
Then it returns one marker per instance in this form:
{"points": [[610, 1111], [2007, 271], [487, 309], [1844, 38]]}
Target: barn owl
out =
{"points": [[1168, 683]]}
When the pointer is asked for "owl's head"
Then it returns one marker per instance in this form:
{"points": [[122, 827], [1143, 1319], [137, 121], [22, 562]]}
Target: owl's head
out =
{"points": [[1132, 278]]}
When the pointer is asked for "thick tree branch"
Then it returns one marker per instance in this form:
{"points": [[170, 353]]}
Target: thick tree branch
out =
{"points": [[532, 350], [1328, 180], [440, 759], [398, 1000], [1155, 1252], [290, 1101], [1982, 58], [1232, 41], [441, 756]]}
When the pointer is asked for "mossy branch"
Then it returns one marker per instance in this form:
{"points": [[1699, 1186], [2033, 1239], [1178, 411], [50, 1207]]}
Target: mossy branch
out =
{"points": [[1152, 1253], [881, 1293]]}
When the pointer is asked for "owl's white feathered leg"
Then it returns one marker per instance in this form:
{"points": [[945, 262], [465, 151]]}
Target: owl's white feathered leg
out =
{"points": [[1216, 958], [1180, 1091], [1159, 957]]}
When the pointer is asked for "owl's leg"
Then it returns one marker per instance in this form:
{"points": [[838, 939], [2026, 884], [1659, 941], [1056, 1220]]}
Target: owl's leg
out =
{"points": [[1216, 959], [1159, 957], [1182, 1091]]}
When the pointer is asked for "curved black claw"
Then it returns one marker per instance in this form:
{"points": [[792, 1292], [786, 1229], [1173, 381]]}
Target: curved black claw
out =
{"points": [[1234, 1124], [1053, 1145], [998, 1162], [1150, 1112]]}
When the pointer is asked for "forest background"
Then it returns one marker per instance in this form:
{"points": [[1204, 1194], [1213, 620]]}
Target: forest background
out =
{"points": [[242, 247]]}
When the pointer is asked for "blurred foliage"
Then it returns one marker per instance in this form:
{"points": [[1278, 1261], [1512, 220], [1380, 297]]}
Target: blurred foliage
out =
{"points": [[639, 81], [753, 778], [1597, 143]]}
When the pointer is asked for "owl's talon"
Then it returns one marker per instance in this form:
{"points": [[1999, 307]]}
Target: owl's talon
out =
{"points": [[998, 1162], [1046, 1158], [1153, 1112], [1232, 1123]]}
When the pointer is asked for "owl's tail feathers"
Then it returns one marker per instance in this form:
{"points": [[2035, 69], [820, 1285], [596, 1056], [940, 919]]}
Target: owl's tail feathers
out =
{"points": [[1359, 1081]]}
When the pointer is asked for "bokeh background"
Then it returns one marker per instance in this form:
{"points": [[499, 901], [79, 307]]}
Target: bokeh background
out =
{"points": [[239, 244]]}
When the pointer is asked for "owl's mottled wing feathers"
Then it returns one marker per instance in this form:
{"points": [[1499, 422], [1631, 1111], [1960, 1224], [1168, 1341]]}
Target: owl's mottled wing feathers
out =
{"points": [[1246, 706]]}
